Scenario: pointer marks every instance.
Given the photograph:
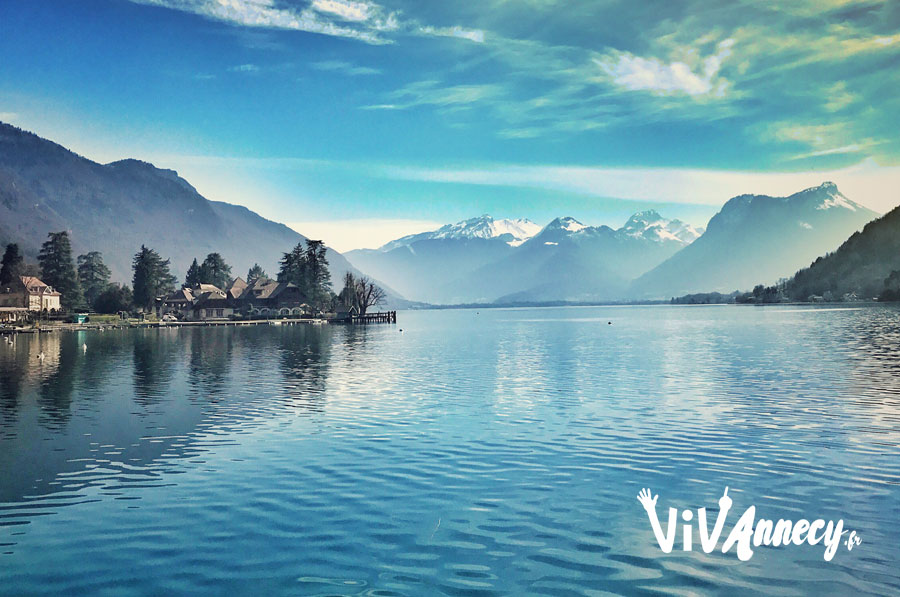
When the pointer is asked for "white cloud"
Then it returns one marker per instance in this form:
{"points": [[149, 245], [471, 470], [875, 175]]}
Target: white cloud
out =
{"points": [[8, 116], [345, 235], [636, 73], [345, 9]]}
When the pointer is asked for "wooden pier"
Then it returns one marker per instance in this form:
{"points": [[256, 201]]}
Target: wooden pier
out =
{"points": [[379, 317]]}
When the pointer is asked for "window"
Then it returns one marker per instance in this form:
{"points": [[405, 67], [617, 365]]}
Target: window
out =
{"points": [[220, 312], [209, 312]]}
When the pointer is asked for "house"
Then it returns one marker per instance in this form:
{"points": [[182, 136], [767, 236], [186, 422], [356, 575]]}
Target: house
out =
{"points": [[202, 302], [30, 293], [345, 313], [212, 306], [179, 303], [267, 298], [210, 302]]}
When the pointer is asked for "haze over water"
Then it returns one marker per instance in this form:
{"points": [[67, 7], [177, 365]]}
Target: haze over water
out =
{"points": [[476, 453]]}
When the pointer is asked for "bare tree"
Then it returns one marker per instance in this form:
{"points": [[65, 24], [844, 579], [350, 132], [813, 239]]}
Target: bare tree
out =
{"points": [[368, 294]]}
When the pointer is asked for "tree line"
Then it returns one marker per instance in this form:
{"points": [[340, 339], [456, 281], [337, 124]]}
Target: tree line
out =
{"points": [[84, 283]]}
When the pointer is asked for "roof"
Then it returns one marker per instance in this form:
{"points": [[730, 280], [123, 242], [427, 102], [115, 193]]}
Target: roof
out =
{"points": [[180, 295], [260, 289], [236, 287], [36, 286], [211, 300], [201, 288]]}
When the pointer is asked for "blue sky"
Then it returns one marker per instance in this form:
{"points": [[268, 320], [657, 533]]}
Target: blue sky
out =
{"points": [[361, 121]]}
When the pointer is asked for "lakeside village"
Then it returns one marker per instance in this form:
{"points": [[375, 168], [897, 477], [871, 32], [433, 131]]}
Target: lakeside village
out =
{"points": [[59, 293]]}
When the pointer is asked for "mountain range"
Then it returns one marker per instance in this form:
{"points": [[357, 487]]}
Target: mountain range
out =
{"points": [[115, 208], [488, 260], [753, 239]]}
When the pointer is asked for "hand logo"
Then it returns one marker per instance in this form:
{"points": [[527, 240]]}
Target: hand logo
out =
{"points": [[646, 501]]}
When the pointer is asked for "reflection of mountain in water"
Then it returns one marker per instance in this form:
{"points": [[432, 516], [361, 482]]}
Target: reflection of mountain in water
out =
{"points": [[119, 411]]}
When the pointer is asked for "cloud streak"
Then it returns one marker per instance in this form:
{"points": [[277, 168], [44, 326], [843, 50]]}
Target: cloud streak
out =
{"points": [[865, 182]]}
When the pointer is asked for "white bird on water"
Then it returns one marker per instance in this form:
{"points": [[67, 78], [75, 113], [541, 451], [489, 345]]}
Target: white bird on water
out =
{"points": [[41, 356], [84, 347]]}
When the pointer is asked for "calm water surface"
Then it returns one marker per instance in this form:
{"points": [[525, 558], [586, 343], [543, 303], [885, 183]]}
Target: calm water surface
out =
{"points": [[476, 453]]}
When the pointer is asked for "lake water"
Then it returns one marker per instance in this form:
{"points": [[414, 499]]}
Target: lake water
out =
{"points": [[476, 453]]}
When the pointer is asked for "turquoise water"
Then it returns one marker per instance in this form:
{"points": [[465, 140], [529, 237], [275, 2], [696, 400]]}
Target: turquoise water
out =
{"points": [[475, 453]]}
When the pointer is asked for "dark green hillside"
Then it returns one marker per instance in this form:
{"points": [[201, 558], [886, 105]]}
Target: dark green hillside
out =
{"points": [[861, 265]]}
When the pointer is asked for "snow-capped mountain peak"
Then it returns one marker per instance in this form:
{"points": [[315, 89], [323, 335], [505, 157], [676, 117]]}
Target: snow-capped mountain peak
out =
{"points": [[520, 229], [566, 223], [828, 196], [652, 226], [513, 232]]}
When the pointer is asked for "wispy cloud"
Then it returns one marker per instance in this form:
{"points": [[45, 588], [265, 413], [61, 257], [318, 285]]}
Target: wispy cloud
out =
{"points": [[866, 182], [244, 68], [343, 67], [345, 235], [431, 93], [363, 21], [476, 35]]}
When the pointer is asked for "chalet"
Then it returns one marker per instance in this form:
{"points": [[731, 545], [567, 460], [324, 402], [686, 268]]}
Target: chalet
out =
{"points": [[211, 306], [267, 298], [262, 297], [179, 303], [30, 293]]}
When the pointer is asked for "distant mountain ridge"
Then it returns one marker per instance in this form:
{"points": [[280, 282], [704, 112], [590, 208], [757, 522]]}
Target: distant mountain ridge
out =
{"points": [[757, 239], [485, 260], [116, 207]]}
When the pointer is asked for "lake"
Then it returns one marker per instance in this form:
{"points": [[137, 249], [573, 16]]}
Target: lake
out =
{"points": [[476, 453]]}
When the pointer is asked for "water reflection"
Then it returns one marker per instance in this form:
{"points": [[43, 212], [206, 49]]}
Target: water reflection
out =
{"points": [[210, 360], [303, 354], [101, 407], [155, 353], [491, 453]]}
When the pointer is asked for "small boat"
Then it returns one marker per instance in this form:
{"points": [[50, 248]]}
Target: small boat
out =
{"points": [[274, 323]]}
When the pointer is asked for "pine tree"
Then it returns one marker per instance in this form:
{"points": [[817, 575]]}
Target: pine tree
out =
{"points": [[318, 278], [58, 270], [93, 275], [293, 267], [255, 273], [151, 277], [13, 264], [215, 271], [193, 275]]}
